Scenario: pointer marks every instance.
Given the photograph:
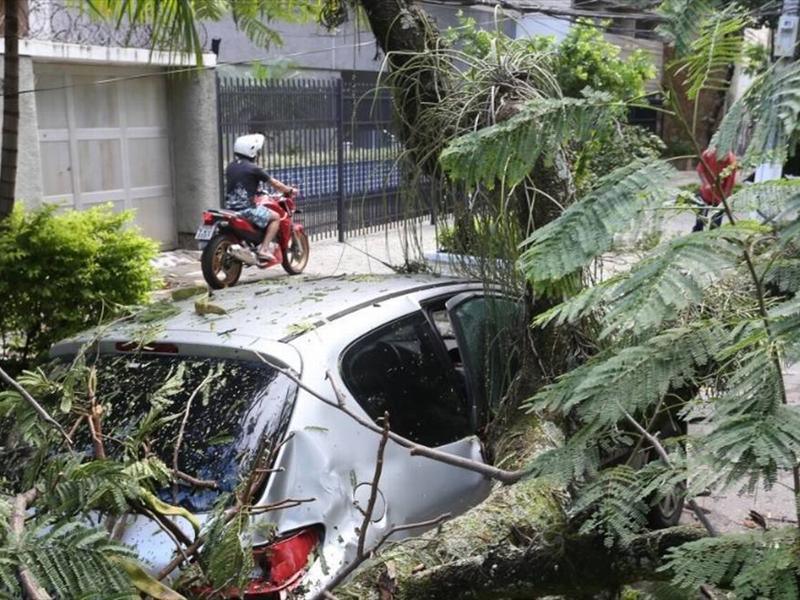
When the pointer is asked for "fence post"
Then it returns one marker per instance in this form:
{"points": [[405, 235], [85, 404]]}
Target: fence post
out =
{"points": [[220, 158], [340, 208]]}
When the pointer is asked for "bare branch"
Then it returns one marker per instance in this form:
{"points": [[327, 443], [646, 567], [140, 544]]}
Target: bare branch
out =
{"points": [[501, 475], [665, 457], [373, 494], [95, 418], [179, 440], [43, 414], [194, 481], [32, 589]]}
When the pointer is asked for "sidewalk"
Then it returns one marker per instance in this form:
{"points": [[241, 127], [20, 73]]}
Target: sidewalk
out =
{"points": [[367, 253]]}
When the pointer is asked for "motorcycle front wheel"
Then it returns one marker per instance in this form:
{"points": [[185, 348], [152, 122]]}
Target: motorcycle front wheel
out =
{"points": [[295, 258], [220, 269]]}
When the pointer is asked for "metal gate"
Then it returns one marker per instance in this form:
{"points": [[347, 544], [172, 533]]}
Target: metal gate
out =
{"points": [[331, 139]]}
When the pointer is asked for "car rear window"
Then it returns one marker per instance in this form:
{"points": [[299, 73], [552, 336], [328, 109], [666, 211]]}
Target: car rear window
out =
{"points": [[235, 404]]}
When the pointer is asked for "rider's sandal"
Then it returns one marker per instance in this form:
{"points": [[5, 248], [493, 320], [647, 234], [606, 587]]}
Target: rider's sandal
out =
{"points": [[264, 257]]}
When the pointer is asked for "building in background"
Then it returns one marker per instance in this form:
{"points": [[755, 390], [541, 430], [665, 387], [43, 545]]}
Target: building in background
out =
{"points": [[111, 121], [107, 123]]}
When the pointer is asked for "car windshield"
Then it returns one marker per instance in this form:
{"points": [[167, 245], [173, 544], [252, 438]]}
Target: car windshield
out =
{"points": [[232, 405]]}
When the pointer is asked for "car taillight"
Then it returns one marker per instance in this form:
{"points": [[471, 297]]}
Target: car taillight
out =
{"points": [[208, 218], [278, 566], [281, 564]]}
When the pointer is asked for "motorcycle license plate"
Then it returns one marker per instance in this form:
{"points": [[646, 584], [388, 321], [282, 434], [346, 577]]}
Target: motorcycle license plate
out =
{"points": [[205, 232]]}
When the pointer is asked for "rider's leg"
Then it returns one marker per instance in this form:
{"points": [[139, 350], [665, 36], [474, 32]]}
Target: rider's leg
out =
{"points": [[269, 236]]}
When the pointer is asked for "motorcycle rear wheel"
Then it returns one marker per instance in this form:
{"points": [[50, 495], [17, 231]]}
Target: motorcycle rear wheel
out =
{"points": [[220, 269], [295, 258]]}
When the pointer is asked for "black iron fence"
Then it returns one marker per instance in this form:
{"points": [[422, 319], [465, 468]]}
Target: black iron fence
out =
{"points": [[332, 140]]}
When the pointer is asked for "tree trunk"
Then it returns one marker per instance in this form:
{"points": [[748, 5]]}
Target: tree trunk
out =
{"points": [[8, 156], [579, 567]]}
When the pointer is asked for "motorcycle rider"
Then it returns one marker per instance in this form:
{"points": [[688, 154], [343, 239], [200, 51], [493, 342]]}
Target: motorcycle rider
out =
{"points": [[243, 178]]}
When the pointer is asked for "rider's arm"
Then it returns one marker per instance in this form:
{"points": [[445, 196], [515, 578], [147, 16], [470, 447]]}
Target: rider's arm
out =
{"points": [[280, 186]]}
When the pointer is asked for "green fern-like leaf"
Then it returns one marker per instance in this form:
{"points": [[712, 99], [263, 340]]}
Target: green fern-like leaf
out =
{"points": [[587, 228], [70, 561], [631, 378], [672, 278], [613, 503], [718, 44], [682, 20], [771, 109], [753, 566], [227, 555]]}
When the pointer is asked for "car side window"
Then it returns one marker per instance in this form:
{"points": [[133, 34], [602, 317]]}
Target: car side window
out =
{"points": [[398, 369]]}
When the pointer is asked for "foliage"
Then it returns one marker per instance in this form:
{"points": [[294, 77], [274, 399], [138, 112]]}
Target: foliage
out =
{"points": [[697, 328], [62, 272], [756, 565], [508, 151], [174, 23], [587, 228], [79, 497], [584, 59], [618, 147]]}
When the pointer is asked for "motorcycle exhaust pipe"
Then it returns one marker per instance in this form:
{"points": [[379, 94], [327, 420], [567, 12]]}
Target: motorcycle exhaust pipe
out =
{"points": [[245, 255]]}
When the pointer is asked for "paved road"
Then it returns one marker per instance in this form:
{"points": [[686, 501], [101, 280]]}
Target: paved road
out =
{"points": [[359, 254]]}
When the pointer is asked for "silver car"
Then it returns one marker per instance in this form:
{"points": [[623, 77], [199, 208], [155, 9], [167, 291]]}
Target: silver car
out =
{"points": [[431, 352]]}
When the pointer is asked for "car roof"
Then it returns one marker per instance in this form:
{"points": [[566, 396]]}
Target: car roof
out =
{"points": [[278, 309]]}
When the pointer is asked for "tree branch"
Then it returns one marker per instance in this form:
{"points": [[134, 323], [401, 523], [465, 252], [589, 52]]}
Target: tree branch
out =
{"points": [[662, 453], [501, 475], [43, 414], [31, 587], [373, 495]]}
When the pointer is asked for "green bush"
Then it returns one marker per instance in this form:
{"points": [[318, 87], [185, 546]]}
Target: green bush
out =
{"points": [[63, 272]]}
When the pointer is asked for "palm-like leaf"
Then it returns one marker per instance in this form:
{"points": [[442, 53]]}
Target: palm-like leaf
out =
{"points": [[509, 150], [718, 44]]}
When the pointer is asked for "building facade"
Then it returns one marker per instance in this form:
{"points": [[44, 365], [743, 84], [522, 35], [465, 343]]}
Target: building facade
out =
{"points": [[105, 119]]}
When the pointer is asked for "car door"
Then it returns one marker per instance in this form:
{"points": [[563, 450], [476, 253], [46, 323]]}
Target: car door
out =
{"points": [[399, 369], [487, 328]]}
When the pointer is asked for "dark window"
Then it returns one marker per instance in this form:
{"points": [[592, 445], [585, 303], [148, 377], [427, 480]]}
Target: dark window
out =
{"points": [[239, 404], [401, 368]]}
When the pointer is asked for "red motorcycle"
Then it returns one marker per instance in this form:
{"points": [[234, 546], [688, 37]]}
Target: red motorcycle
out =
{"points": [[229, 242]]}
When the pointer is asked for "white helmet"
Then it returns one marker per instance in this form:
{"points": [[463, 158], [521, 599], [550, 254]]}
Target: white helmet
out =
{"points": [[248, 145]]}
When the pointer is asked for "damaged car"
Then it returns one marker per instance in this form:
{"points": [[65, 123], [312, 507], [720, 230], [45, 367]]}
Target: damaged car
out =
{"points": [[241, 374]]}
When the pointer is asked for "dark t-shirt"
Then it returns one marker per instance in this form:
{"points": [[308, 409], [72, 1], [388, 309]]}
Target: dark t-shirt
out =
{"points": [[242, 178]]}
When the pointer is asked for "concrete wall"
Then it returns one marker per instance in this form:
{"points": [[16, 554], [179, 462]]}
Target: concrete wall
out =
{"points": [[193, 131], [307, 45], [29, 180]]}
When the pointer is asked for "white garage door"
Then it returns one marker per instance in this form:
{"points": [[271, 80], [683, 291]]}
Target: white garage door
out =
{"points": [[107, 142]]}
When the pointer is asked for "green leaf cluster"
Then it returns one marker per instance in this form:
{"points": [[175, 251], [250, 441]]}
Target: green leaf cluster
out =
{"points": [[62, 272]]}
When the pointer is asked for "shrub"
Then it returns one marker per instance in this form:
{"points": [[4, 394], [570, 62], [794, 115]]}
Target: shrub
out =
{"points": [[63, 272]]}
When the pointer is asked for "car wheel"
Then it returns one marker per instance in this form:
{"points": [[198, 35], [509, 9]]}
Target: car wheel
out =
{"points": [[667, 510]]}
